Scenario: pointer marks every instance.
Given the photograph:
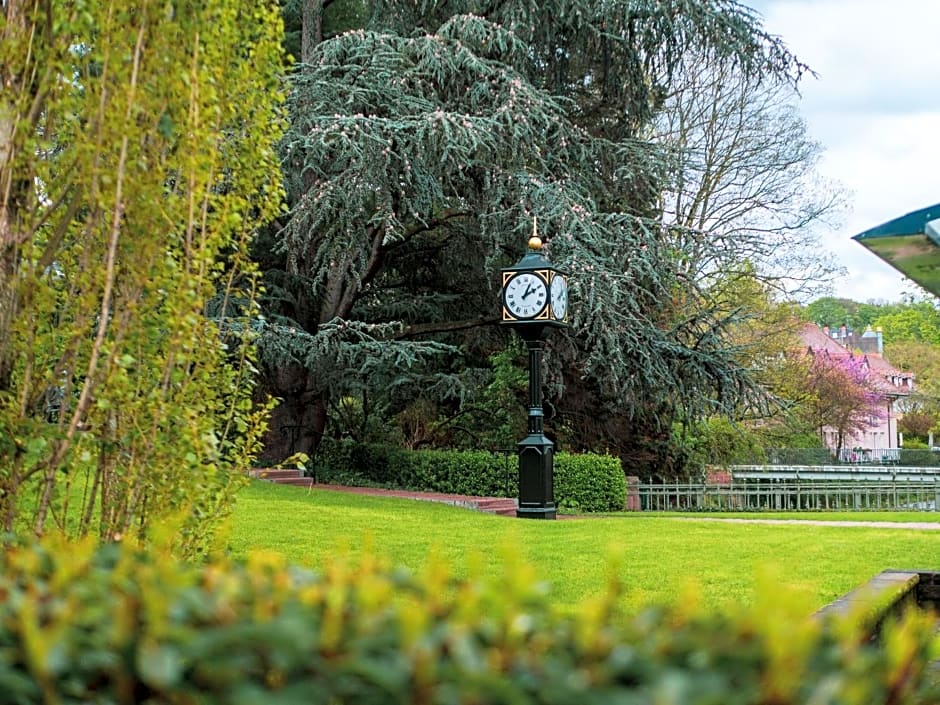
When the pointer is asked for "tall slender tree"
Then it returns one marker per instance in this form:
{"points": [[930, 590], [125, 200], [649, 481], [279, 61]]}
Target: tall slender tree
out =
{"points": [[746, 198], [136, 148]]}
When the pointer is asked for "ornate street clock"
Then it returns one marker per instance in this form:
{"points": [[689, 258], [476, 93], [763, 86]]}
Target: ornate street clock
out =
{"points": [[534, 299], [535, 293]]}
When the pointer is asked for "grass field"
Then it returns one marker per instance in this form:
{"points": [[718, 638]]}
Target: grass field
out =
{"points": [[658, 557]]}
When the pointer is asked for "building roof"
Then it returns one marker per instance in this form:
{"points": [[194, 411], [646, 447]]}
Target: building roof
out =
{"points": [[889, 379], [815, 338]]}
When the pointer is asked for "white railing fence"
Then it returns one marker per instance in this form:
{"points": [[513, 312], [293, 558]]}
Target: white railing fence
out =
{"points": [[790, 495]]}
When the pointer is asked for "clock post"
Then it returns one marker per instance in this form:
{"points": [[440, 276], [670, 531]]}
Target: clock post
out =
{"points": [[534, 300]]}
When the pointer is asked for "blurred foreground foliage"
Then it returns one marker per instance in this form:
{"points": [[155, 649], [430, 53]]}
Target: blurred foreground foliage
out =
{"points": [[122, 624]]}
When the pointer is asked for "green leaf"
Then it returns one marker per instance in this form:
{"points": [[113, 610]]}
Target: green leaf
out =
{"points": [[166, 126], [159, 665]]}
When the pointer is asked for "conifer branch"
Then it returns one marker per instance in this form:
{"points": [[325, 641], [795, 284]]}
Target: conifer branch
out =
{"points": [[416, 330]]}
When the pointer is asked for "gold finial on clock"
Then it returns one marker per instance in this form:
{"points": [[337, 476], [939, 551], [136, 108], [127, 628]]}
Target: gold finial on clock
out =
{"points": [[535, 242]]}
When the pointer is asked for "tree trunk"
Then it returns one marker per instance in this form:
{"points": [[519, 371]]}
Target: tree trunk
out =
{"points": [[312, 33], [8, 307], [298, 422], [14, 187]]}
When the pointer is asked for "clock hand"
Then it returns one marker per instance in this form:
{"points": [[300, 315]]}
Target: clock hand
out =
{"points": [[528, 290]]}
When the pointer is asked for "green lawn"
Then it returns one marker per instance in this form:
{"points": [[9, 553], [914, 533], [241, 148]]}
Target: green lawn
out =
{"points": [[658, 557]]}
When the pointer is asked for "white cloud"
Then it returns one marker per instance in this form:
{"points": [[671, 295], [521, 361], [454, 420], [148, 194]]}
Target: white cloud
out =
{"points": [[876, 110], [869, 54]]}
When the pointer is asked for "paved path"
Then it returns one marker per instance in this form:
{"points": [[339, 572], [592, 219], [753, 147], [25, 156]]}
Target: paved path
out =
{"points": [[929, 526], [408, 494], [504, 506]]}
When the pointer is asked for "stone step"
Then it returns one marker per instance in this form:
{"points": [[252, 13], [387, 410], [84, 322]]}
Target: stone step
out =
{"points": [[295, 481], [503, 506], [483, 502], [274, 473]]}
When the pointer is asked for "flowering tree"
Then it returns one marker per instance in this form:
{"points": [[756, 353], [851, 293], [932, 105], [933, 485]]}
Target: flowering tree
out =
{"points": [[843, 395]]}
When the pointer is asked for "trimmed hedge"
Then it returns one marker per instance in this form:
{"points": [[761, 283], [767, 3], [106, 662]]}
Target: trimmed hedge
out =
{"points": [[583, 483], [124, 625], [589, 483]]}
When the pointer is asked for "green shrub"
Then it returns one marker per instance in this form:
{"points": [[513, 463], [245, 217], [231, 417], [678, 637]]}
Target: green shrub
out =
{"points": [[120, 625], [583, 483], [477, 473], [590, 483]]}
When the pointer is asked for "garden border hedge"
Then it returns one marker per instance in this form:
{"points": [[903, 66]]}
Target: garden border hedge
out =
{"points": [[583, 482]]}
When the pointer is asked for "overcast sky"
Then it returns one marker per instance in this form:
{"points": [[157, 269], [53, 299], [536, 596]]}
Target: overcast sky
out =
{"points": [[875, 107]]}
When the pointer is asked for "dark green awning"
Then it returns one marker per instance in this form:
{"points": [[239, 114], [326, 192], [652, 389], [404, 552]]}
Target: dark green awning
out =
{"points": [[910, 244]]}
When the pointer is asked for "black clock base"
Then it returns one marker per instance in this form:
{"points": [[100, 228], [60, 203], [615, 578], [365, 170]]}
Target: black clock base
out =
{"points": [[535, 512], [536, 472]]}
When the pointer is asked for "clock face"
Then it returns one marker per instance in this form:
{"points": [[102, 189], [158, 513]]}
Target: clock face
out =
{"points": [[525, 295], [559, 297]]}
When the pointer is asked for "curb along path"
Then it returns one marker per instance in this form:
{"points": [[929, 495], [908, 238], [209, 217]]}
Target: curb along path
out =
{"points": [[502, 506]]}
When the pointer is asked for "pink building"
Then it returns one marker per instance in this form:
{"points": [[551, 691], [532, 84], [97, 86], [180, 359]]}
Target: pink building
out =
{"points": [[882, 433]]}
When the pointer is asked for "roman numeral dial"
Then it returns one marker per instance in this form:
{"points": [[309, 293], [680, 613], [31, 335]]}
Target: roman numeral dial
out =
{"points": [[525, 295]]}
